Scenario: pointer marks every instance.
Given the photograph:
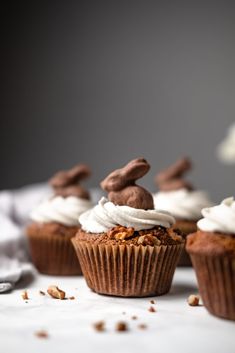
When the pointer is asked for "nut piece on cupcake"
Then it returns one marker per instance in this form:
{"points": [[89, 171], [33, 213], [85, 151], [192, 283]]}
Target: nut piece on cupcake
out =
{"points": [[124, 243]]}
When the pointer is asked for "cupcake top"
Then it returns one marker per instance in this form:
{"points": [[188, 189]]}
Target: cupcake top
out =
{"points": [[177, 195], [216, 234], [128, 204], [220, 218], [69, 201]]}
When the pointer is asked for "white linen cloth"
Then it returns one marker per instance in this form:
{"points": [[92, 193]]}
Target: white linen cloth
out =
{"points": [[15, 208], [11, 270]]}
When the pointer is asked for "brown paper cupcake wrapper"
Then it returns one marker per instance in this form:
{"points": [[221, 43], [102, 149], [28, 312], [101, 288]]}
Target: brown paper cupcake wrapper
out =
{"points": [[54, 255], [184, 259], [129, 271], [216, 281]]}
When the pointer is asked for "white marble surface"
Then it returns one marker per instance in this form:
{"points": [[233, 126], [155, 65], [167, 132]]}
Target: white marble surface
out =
{"points": [[175, 327]]}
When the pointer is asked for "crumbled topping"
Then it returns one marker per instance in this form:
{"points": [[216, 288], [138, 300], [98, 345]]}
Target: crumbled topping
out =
{"points": [[99, 326], [120, 233], [24, 295], [56, 293], [193, 300], [41, 334], [151, 309], [121, 326]]}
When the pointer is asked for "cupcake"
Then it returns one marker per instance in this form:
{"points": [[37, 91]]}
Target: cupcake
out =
{"points": [[178, 197], [126, 247], [55, 222], [212, 251]]}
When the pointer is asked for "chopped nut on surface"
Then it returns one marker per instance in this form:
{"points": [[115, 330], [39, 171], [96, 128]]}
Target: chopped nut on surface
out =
{"points": [[152, 301], [152, 309], [71, 298], [193, 300], [121, 326], [56, 293], [142, 326], [42, 293], [41, 334], [99, 326], [121, 233], [134, 317], [24, 295]]}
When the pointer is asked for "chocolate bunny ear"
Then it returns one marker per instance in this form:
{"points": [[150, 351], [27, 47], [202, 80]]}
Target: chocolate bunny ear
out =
{"points": [[172, 177], [70, 177], [120, 178], [135, 169], [114, 181], [79, 172]]}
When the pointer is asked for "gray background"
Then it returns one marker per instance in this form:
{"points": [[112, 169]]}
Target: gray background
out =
{"points": [[104, 82]]}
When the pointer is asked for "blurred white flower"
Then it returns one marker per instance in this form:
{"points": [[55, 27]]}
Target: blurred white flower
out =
{"points": [[226, 149]]}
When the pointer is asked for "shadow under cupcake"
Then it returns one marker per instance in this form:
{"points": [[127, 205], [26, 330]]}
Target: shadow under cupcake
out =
{"points": [[125, 247], [178, 197], [55, 222]]}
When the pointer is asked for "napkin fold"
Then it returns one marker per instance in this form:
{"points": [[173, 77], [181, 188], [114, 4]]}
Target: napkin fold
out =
{"points": [[15, 208], [11, 270]]}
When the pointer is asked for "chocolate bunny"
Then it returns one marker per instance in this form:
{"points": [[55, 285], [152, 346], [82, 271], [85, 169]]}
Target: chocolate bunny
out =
{"points": [[122, 189], [66, 183], [172, 177]]}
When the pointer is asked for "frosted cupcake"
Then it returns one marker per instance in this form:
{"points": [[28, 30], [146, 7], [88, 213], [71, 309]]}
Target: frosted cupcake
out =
{"points": [[125, 247], [55, 222], [212, 250], [178, 197]]}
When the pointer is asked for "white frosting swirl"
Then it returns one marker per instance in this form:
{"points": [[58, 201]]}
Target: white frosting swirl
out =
{"points": [[220, 218], [64, 210], [107, 215], [182, 203]]}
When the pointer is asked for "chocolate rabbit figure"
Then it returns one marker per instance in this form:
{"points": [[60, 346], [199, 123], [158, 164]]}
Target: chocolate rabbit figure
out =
{"points": [[122, 189], [172, 177], [66, 183]]}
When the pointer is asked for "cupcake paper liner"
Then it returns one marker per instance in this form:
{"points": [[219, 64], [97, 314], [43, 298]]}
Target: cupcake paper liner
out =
{"points": [[184, 260], [128, 271], [186, 229], [216, 281], [54, 255]]}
